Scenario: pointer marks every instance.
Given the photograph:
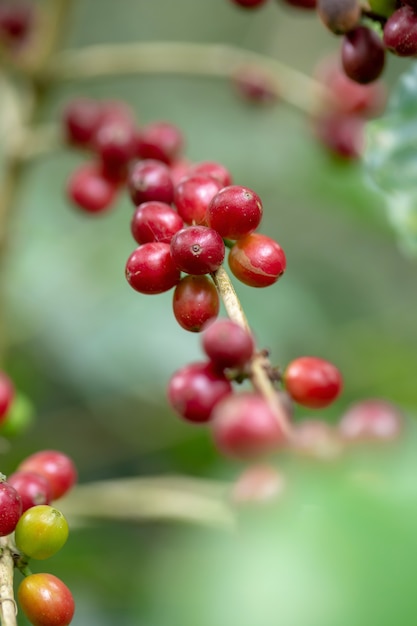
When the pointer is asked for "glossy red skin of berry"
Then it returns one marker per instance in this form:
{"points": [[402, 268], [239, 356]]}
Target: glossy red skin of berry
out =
{"points": [[41, 532], [81, 119], [55, 466], [10, 508], [179, 169], [400, 32], [32, 488], [161, 141], [194, 391], [195, 302], [115, 146], [214, 169], [371, 420], [197, 250], [150, 180], [313, 382], [227, 344], [342, 135], [7, 395], [244, 426], [193, 195], [155, 221], [150, 269], [255, 85], [363, 55], [234, 212], [257, 260], [46, 600], [89, 190]]}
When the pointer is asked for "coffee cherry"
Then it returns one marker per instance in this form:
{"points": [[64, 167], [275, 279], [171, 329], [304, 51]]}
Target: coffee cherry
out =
{"points": [[255, 85], [371, 420], [258, 484], [16, 21], [10, 508], [7, 395], [80, 119], [150, 269], [234, 212], [179, 170], [56, 467], [116, 111], [89, 190], [257, 260], [214, 169], [115, 145], [161, 141], [197, 250], [363, 55], [195, 302], [342, 135], [245, 426], [32, 488], [193, 195], [313, 382], [249, 4], [155, 221], [194, 391], [340, 16], [45, 600], [41, 532], [150, 180], [227, 344], [400, 32], [18, 418]]}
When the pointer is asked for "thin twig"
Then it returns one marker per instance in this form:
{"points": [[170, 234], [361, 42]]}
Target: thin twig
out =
{"points": [[8, 609]]}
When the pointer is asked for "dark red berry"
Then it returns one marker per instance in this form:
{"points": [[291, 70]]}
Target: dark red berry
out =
{"points": [[179, 170], [313, 382], [32, 488], [150, 268], [161, 141], [197, 250], [81, 119], [371, 420], [194, 391], [193, 195], [7, 394], [255, 85], [227, 344], [10, 508], [89, 190], [257, 260], [155, 221], [234, 212], [341, 134], [214, 169], [340, 16], [45, 600], [400, 32], [258, 484], [150, 180], [249, 4], [245, 426], [16, 20], [58, 469], [363, 55], [115, 146], [116, 111], [195, 302]]}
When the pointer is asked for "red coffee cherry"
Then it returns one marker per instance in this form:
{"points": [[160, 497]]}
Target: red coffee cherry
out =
{"points": [[46, 600], [234, 212], [80, 120], [150, 269], [342, 135], [194, 391], [245, 426], [195, 302], [7, 394], [10, 508], [58, 469], [363, 55], [89, 190], [371, 420], [193, 195], [16, 21], [257, 260], [161, 141], [32, 488], [255, 85], [155, 221], [150, 180], [197, 250], [227, 344], [400, 32], [115, 145], [213, 169], [313, 382]]}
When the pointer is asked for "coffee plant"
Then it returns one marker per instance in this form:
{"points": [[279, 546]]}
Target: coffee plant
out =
{"points": [[238, 448]]}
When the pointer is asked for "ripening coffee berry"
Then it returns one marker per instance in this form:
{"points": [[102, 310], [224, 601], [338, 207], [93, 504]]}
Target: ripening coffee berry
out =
{"points": [[371, 420], [227, 344], [197, 250], [89, 190], [245, 426], [363, 55], [81, 119], [162, 141], [257, 260], [214, 169], [18, 418], [343, 135], [7, 395], [150, 269], [32, 488], [400, 32], [155, 221], [195, 302], [194, 391], [313, 382], [56, 467], [10, 508], [340, 16], [234, 212], [150, 180], [115, 145], [45, 600], [41, 532], [192, 196]]}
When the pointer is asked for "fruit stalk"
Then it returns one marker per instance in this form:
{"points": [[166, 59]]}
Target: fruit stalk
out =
{"points": [[8, 608]]}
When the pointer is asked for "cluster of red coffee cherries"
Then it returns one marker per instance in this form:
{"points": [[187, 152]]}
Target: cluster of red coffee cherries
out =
{"points": [[39, 531]]}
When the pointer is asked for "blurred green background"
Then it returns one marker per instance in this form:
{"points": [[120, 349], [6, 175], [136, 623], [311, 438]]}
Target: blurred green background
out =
{"points": [[95, 356]]}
